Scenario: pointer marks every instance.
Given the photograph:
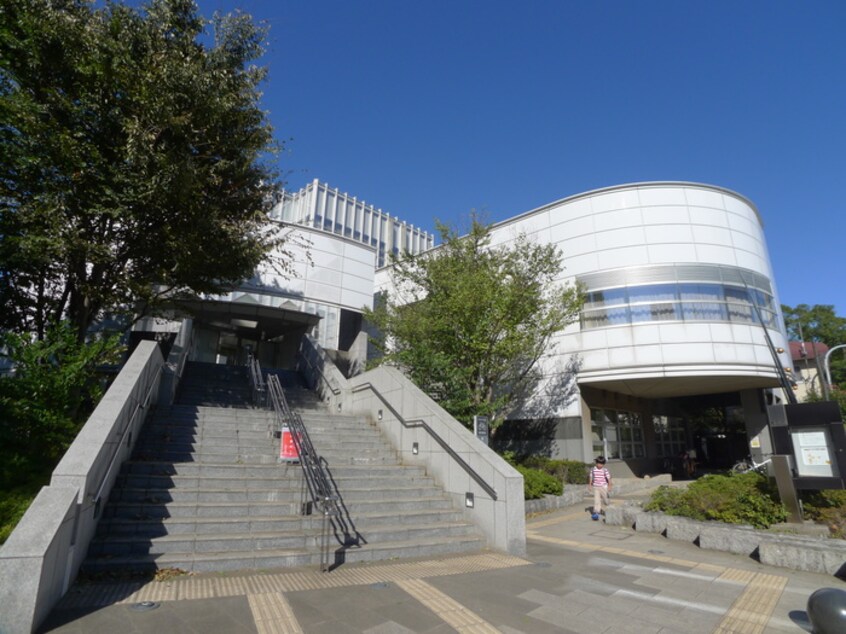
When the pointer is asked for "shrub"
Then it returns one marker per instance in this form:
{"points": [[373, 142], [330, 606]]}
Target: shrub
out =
{"points": [[566, 471], [536, 483], [746, 498], [827, 507]]}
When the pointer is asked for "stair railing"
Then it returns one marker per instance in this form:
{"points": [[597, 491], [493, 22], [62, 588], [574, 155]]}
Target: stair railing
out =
{"points": [[258, 387], [317, 482]]}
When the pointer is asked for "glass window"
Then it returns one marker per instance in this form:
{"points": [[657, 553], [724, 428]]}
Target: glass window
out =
{"points": [[653, 293], [704, 311], [700, 291], [610, 297], [688, 301]]}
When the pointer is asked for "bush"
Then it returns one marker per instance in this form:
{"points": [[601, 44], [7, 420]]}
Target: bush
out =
{"points": [[567, 471], [536, 483], [746, 498], [827, 507]]}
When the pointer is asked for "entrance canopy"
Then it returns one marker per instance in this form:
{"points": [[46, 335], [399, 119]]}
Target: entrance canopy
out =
{"points": [[249, 320]]}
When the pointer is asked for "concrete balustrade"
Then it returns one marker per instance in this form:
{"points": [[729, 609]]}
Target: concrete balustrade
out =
{"points": [[426, 435], [43, 554]]}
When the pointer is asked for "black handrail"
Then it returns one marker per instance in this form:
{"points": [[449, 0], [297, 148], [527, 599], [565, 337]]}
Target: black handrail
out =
{"points": [[328, 383], [412, 423], [257, 383], [419, 422], [317, 481]]}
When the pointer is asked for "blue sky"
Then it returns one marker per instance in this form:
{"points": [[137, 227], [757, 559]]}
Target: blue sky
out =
{"points": [[428, 109]]}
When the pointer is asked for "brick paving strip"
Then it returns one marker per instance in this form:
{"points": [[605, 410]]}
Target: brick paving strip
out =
{"points": [[272, 614], [207, 587], [751, 611], [447, 609]]}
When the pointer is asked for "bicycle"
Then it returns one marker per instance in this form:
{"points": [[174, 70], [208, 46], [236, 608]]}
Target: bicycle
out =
{"points": [[748, 464]]}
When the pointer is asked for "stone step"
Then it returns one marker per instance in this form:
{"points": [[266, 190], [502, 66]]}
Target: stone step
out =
{"points": [[159, 483], [270, 559], [268, 456], [125, 545], [140, 510], [287, 492], [248, 525], [228, 470]]}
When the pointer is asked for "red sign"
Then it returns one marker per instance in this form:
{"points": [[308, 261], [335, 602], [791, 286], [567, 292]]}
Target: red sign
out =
{"points": [[287, 448]]}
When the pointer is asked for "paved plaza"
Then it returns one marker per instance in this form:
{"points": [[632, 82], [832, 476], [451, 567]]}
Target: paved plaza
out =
{"points": [[578, 576]]}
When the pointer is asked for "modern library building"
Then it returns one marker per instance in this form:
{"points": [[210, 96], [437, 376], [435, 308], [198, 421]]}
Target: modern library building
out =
{"points": [[679, 347]]}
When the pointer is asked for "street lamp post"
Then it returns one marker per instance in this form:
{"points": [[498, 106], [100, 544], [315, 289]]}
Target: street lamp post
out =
{"points": [[828, 370]]}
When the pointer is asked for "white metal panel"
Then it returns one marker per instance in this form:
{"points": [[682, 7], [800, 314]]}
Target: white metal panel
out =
{"points": [[684, 332], [616, 238], [708, 217], [704, 198], [716, 254], [612, 220], [623, 256], [646, 334], [569, 229], [704, 234], [656, 234], [620, 199], [655, 196], [687, 353], [648, 355], [579, 208], [669, 253], [621, 357], [671, 214]]}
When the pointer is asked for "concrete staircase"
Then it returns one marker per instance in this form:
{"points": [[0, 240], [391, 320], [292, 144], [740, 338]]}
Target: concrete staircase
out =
{"points": [[204, 490]]}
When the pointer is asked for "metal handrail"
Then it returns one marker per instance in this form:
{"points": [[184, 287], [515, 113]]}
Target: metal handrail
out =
{"points": [[419, 422], [318, 483], [258, 386], [335, 391], [413, 423]]}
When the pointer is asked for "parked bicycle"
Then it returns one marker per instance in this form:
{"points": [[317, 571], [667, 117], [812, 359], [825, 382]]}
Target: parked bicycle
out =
{"points": [[748, 464]]}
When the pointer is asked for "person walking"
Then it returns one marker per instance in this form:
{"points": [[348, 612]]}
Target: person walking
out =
{"points": [[600, 482]]}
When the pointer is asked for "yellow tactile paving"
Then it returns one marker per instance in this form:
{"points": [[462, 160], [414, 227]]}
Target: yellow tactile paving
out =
{"points": [[452, 612], [752, 610], [201, 587], [272, 614]]}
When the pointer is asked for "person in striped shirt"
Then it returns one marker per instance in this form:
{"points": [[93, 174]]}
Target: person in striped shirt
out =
{"points": [[600, 483]]}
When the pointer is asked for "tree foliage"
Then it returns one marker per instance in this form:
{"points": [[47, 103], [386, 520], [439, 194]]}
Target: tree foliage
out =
{"points": [[819, 323], [133, 158], [470, 321], [51, 393]]}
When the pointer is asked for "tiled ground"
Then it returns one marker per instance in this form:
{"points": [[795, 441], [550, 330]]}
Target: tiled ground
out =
{"points": [[579, 576]]}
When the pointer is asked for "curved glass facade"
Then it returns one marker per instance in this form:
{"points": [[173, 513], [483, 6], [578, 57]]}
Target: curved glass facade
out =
{"points": [[681, 300]]}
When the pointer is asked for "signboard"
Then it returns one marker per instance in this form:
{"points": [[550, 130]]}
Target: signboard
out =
{"points": [[811, 450], [287, 448], [481, 428]]}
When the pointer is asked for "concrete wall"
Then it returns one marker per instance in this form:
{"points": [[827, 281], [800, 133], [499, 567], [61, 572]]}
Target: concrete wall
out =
{"points": [[43, 554], [425, 434]]}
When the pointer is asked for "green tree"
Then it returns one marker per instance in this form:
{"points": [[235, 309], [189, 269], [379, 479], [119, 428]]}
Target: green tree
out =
{"points": [[50, 395], [134, 158], [819, 323], [470, 321]]}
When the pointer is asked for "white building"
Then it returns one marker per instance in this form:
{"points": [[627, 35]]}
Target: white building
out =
{"points": [[681, 309]]}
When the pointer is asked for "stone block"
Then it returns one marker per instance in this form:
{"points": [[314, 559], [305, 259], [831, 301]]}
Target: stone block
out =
{"points": [[683, 529], [650, 522], [826, 556], [622, 515], [741, 540]]}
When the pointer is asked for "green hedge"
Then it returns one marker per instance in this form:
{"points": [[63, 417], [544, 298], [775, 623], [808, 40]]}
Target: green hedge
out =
{"points": [[746, 498], [827, 507], [537, 483], [546, 476]]}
